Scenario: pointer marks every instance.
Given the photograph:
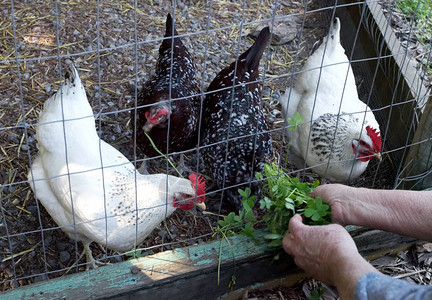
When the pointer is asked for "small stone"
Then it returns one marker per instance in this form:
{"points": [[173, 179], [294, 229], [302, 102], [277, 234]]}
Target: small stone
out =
{"points": [[26, 76], [110, 103], [53, 263], [173, 229], [13, 138], [163, 234], [284, 30], [48, 240], [25, 147], [61, 246], [276, 112], [146, 253], [117, 128], [117, 258], [266, 91], [40, 278], [64, 257], [48, 88], [76, 32], [276, 95], [33, 209]]}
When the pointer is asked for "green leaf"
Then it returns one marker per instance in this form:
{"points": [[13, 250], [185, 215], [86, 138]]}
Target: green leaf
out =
{"points": [[259, 176], [246, 206], [275, 243], [290, 206], [273, 236], [295, 121]]}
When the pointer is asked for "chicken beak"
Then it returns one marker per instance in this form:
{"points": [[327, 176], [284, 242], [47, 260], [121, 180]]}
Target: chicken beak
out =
{"points": [[201, 206], [147, 126], [378, 156]]}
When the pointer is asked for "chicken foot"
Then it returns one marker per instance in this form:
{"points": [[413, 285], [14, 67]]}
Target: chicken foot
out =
{"points": [[91, 263]]}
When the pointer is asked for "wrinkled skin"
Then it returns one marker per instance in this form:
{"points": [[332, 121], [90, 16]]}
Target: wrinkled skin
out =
{"points": [[328, 254]]}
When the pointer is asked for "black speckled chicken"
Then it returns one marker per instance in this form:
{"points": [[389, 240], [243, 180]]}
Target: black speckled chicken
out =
{"points": [[182, 113], [235, 114]]}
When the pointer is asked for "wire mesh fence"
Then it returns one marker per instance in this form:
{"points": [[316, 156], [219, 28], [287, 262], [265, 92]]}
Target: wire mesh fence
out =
{"points": [[114, 46]]}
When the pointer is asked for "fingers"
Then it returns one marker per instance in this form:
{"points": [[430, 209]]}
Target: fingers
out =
{"points": [[329, 191], [296, 223], [296, 227], [323, 191]]}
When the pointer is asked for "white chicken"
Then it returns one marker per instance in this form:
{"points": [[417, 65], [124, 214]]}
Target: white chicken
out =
{"points": [[340, 133], [88, 187]]}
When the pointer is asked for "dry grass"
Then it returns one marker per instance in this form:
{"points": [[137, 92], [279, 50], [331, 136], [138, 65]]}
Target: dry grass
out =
{"points": [[27, 84], [107, 76]]}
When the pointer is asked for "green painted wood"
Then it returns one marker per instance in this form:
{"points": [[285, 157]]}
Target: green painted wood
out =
{"points": [[191, 272]]}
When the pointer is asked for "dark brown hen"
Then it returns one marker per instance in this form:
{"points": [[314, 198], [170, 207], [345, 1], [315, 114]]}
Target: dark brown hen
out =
{"points": [[235, 114], [182, 112]]}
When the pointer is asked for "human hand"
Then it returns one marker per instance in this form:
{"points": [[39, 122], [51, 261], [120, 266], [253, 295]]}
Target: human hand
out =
{"points": [[339, 197], [327, 253]]}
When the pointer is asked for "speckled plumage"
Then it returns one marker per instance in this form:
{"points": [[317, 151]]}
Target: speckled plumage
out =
{"points": [[244, 157], [334, 140], [92, 184], [184, 117]]}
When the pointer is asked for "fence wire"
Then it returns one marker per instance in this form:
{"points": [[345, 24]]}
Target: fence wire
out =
{"points": [[114, 46]]}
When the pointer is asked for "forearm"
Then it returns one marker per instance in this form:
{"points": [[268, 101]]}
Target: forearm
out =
{"points": [[403, 212], [350, 274]]}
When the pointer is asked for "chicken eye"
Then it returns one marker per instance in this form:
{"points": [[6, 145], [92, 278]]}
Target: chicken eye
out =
{"points": [[362, 143]]}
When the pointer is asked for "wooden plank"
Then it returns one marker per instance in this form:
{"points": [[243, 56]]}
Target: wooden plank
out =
{"points": [[191, 272], [418, 164], [407, 65]]}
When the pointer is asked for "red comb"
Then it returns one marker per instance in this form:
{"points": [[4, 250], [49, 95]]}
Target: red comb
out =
{"points": [[200, 188], [374, 135]]}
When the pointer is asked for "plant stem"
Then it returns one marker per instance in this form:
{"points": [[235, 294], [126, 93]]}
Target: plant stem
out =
{"points": [[158, 151]]}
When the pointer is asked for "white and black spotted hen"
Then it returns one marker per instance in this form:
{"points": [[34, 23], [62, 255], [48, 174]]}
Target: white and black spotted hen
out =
{"points": [[339, 145], [80, 178], [236, 115], [183, 113]]}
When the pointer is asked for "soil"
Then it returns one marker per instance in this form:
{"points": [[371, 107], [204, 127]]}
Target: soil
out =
{"points": [[31, 245]]}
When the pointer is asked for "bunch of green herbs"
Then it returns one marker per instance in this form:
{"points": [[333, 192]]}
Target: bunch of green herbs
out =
{"points": [[285, 196]]}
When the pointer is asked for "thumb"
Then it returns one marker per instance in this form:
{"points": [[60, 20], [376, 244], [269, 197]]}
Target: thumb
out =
{"points": [[291, 242], [296, 223]]}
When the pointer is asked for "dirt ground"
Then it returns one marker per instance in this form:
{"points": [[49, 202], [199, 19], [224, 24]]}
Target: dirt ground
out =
{"points": [[32, 248]]}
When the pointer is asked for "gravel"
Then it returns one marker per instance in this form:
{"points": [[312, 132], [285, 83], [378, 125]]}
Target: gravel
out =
{"points": [[40, 77]]}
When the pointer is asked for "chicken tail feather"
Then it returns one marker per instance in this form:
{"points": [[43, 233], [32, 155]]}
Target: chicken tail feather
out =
{"points": [[256, 51]]}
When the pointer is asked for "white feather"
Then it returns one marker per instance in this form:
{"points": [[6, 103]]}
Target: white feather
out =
{"points": [[326, 86], [78, 177]]}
